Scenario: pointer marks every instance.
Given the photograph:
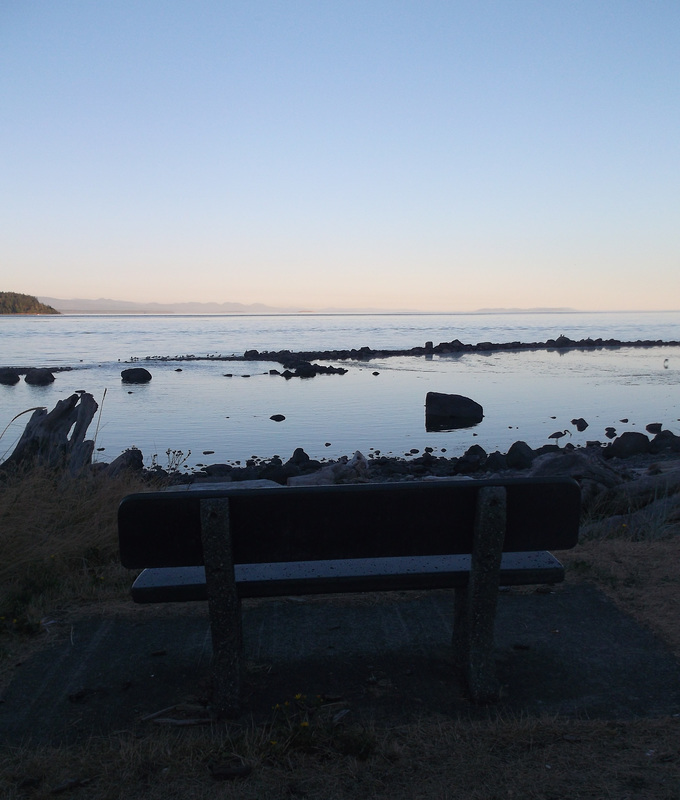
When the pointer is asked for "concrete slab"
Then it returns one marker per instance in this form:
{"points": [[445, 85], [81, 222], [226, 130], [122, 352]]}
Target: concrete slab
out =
{"points": [[570, 652]]}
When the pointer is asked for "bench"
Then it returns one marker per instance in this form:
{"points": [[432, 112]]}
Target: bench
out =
{"points": [[229, 542]]}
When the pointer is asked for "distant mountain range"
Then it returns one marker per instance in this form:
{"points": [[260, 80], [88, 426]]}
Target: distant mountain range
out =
{"points": [[537, 310], [104, 305]]}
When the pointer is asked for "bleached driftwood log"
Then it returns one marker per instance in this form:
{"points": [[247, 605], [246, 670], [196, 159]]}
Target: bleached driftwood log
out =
{"points": [[57, 438]]}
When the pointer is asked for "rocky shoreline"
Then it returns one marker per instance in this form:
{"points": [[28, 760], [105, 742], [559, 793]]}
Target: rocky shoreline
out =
{"points": [[292, 359], [299, 363], [598, 461], [633, 475]]}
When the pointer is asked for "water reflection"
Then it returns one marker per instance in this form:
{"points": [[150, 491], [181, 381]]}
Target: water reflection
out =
{"points": [[525, 396]]}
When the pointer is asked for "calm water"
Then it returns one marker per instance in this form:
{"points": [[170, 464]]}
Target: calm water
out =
{"points": [[525, 395]]}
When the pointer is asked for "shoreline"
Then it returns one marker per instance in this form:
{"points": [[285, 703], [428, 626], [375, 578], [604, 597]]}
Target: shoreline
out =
{"points": [[294, 358], [454, 347]]}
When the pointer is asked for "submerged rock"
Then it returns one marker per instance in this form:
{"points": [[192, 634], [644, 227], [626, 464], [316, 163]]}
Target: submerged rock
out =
{"points": [[8, 376], [39, 377], [135, 375], [451, 411]]}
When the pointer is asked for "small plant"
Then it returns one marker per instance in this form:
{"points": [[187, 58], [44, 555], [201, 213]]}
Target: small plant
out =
{"points": [[176, 459]]}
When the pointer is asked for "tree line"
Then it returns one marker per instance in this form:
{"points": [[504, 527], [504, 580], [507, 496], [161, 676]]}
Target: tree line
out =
{"points": [[15, 303]]}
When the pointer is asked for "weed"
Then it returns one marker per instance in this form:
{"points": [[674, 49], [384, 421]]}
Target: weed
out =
{"points": [[176, 459]]}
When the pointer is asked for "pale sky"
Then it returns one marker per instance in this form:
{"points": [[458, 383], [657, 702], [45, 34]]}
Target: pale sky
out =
{"points": [[439, 156]]}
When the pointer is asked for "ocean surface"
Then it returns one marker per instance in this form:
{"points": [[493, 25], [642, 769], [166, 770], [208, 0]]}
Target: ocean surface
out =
{"points": [[191, 407]]}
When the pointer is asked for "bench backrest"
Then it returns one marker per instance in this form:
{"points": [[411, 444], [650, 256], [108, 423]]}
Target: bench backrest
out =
{"points": [[309, 523]]}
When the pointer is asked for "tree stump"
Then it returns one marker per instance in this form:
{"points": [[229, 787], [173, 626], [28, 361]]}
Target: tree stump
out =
{"points": [[46, 440]]}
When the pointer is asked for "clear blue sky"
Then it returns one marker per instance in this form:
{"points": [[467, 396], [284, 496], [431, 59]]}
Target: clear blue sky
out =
{"points": [[429, 155]]}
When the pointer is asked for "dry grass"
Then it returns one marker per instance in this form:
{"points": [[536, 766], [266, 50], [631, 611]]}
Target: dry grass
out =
{"points": [[60, 553], [59, 543], [530, 759]]}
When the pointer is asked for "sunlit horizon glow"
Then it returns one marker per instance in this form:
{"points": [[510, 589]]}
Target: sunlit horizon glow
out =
{"points": [[429, 156]]}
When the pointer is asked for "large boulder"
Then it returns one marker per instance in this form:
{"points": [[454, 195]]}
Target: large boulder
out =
{"points": [[665, 440], [630, 443], [449, 411], [39, 377], [588, 469], [577, 464], [8, 376], [343, 471], [131, 460], [135, 375], [519, 456]]}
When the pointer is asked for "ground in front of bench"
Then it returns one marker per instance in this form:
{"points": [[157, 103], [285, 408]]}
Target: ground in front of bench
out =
{"points": [[570, 652]]}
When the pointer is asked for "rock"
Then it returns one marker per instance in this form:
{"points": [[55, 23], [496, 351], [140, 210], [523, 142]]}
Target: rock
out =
{"points": [[496, 462], [654, 427], [305, 371], [451, 411], [576, 464], [299, 457], [630, 496], [8, 376], [217, 470], [610, 433], [135, 375], [343, 471], [472, 460], [39, 377], [630, 443], [277, 417], [519, 456], [131, 459], [580, 423], [665, 440]]}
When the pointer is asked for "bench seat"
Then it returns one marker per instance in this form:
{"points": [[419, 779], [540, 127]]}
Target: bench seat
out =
{"points": [[180, 584]]}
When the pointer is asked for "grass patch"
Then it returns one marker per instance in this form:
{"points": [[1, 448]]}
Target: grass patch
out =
{"points": [[545, 759], [59, 542]]}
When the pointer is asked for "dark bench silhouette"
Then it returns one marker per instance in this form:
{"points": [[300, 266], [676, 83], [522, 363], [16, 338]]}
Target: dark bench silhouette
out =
{"points": [[223, 544]]}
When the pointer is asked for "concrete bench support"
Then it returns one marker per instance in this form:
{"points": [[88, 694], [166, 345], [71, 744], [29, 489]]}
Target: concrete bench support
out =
{"points": [[475, 604], [224, 606]]}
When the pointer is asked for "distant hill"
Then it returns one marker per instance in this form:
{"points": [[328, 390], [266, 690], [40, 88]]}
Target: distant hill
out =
{"points": [[15, 303], [537, 310], [104, 305]]}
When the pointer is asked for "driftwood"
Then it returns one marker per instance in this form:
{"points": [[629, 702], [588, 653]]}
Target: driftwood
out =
{"points": [[57, 438]]}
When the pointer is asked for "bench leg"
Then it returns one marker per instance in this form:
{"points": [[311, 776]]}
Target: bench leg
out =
{"points": [[224, 606], [475, 604]]}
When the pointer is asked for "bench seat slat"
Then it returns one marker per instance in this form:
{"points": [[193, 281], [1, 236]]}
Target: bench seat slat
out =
{"points": [[178, 584]]}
